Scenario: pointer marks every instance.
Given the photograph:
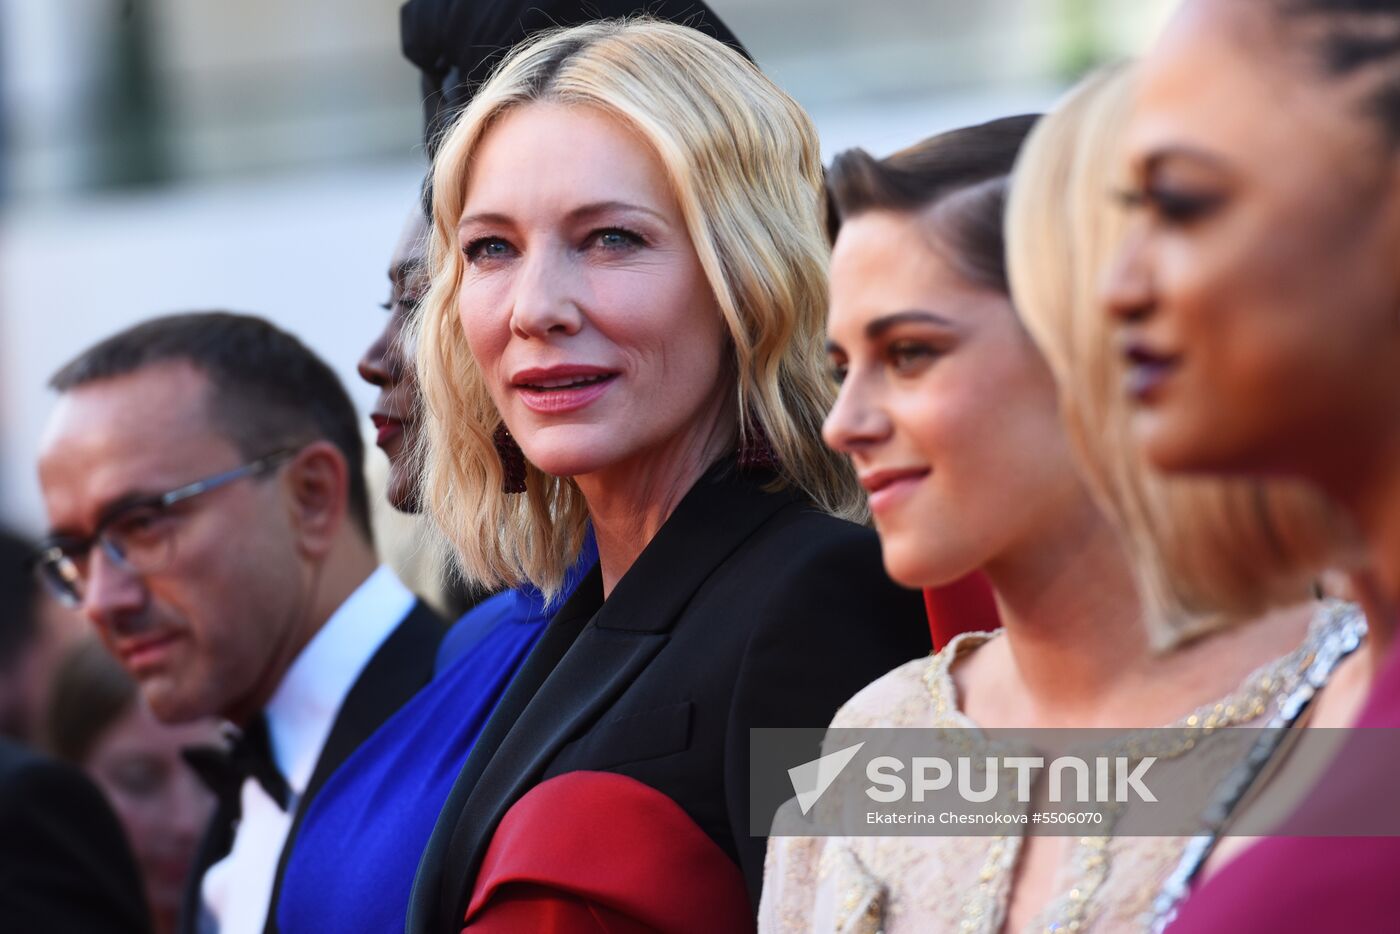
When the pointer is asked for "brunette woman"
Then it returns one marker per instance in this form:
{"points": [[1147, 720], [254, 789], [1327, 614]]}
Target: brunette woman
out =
{"points": [[951, 414]]}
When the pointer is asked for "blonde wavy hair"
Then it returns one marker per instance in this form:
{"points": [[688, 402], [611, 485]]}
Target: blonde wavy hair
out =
{"points": [[1208, 552], [744, 163]]}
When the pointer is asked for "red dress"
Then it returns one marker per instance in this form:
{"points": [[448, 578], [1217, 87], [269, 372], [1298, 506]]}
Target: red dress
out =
{"points": [[601, 853], [965, 605]]}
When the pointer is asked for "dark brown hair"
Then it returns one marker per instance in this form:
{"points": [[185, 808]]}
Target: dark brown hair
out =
{"points": [[960, 176], [1350, 37]]}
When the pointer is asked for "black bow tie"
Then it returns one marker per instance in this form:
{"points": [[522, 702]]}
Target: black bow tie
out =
{"points": [[225, 768]]}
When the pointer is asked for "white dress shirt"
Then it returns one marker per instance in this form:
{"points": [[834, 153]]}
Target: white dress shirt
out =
{"points": [[237, 889]]}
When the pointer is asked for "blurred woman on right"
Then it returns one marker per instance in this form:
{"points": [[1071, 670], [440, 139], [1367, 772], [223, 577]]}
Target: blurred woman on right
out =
{"points": [[950, 414], [1256, 300]]}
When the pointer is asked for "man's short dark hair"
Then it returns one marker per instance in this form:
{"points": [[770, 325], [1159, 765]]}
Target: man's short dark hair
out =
{"points": [[268, 390]]}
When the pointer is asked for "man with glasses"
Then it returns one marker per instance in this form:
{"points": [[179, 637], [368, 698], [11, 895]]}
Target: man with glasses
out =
{"points": [[203, 479]]}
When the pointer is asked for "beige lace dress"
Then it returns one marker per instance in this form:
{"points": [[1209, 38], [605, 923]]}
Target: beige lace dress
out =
{"points": [[919, 885]]}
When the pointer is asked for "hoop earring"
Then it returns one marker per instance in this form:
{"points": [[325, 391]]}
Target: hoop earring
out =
{"points": [[512, 461]]}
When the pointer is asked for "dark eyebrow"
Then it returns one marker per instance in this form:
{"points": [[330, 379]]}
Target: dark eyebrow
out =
{"points": [[582, 212], [1157, 157], [124, 502], [913, 316], [115, 508]]}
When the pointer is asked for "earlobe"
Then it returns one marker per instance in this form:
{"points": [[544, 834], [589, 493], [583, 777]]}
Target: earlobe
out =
{"points": [[319, 483]]}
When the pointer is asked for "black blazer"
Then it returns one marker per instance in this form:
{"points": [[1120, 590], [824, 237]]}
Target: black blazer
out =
{"points": [[402, 665], [65, 867], [748, 609]]}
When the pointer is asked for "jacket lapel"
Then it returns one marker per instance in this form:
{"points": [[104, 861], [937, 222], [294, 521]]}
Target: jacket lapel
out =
{"points": [[563, 629], [397, 671], [554, 699], [596, 669]]}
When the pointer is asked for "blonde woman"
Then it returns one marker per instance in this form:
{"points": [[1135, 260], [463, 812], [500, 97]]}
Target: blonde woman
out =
{"points": [[942, 382], [625, 329]]}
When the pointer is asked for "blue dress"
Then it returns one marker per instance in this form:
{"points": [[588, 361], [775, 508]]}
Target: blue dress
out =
{"points": [[354, 859]]}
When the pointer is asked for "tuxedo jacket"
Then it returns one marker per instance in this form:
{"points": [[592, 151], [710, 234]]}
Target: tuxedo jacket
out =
{"points": [[65, 866], [401, 666], [749, 608]]}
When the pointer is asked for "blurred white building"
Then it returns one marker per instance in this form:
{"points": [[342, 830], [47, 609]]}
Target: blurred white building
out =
{"points": [[260, 155]]}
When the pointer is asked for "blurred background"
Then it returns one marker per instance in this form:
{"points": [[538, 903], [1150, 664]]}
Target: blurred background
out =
{"points": [[260, 155]]}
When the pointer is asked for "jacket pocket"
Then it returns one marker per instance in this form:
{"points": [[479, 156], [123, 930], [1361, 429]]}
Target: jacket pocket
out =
{"points": [[651, 734]]}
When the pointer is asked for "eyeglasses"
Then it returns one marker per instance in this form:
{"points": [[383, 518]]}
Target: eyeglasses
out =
{"points": [[139, 537]]}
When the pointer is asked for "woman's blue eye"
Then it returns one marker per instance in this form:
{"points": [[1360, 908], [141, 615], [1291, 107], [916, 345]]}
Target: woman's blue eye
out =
{"points": [[486, 248], [837, 371], [616, 238]]}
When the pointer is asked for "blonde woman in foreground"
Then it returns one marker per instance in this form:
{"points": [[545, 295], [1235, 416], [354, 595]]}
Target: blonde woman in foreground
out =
{"points": [[624, 330], [946, 396]]}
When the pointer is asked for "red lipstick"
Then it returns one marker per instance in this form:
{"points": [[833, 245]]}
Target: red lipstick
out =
{"points": [[558, 389], [387, 427]]}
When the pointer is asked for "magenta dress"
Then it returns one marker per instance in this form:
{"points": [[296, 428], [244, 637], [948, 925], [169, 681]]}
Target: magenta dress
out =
{"points": [[1310, 883]]}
